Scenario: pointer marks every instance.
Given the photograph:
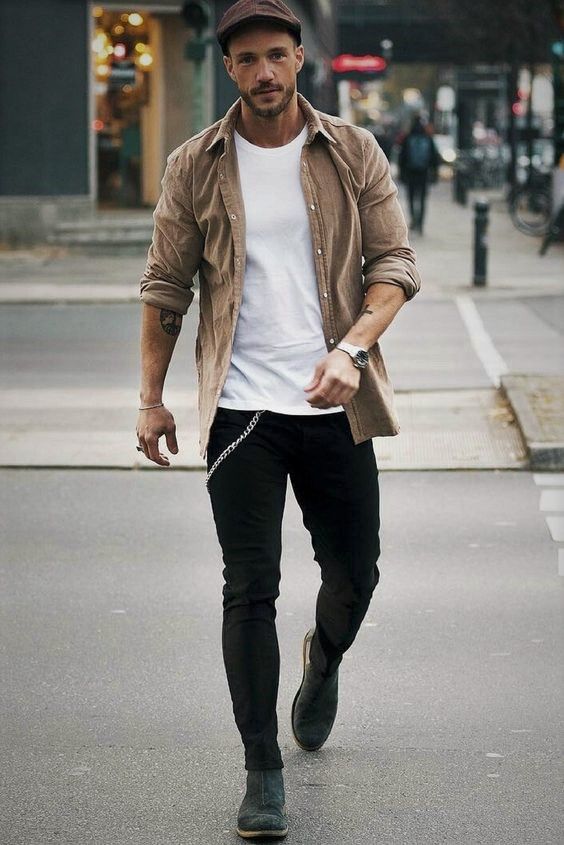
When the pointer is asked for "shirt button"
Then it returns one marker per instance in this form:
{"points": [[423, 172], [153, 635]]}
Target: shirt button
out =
{"points": [[221, 175], [331, 340], [312, 207], [319, 252], [234, 217], [324, 296]]}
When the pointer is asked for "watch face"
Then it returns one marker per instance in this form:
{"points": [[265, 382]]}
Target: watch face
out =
{"points": [[361, 358]]}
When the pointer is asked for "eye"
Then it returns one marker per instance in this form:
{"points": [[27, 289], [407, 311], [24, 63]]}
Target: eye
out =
{"points": [[278, 55], [246, 60]]}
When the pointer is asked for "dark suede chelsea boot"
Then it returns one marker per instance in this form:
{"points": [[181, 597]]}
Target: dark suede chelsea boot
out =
{"points": [[263, 811], [315, 705]]}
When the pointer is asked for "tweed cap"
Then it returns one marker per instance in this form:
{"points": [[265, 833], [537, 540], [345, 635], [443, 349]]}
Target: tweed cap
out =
{"points": [[256, 11]]}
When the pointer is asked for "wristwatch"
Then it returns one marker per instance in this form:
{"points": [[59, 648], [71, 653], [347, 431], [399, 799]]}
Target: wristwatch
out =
{"points": [[358, 354]]}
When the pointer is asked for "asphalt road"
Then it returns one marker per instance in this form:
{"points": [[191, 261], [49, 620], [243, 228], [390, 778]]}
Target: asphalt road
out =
{"points": [[116, 722], [427, 346]]}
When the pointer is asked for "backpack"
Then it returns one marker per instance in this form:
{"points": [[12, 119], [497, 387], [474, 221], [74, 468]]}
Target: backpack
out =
{"points": [[418, 152]]}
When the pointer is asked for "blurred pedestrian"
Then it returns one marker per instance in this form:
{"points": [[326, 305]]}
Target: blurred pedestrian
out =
{"points": [[418, 165], [291, 379]]}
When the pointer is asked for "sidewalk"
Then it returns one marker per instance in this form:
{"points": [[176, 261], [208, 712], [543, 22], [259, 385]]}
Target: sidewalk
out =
{"points": [[444, 252], [452, 422]]}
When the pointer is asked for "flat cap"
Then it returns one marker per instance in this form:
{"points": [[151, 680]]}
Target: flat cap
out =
{"points": [[256, 11]]}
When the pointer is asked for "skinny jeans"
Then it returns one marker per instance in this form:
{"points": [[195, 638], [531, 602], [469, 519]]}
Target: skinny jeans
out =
{"points": [[335, 483], [417, 183]]}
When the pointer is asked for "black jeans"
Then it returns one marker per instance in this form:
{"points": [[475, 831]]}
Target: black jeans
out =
{"points": [[336, 486], [417, 191]]}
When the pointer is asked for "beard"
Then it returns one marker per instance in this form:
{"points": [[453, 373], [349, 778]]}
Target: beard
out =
{"points": [[269, 111]]}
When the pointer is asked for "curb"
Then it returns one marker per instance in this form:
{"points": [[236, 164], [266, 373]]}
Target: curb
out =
{"points": [[521, 391]]}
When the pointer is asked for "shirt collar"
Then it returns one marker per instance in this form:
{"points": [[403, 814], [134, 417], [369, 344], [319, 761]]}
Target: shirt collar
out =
{"points": [[313, 122]]}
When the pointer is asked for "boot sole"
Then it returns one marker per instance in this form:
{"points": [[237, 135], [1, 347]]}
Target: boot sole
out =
{"points": [[254, 834], [304, 661]]}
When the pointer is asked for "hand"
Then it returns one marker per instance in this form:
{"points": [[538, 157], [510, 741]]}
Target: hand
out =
{"points": [[151, 425], [335, 381]]}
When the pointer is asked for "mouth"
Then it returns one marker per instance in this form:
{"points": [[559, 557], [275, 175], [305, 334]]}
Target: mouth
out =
{"points": [[268, 91]]}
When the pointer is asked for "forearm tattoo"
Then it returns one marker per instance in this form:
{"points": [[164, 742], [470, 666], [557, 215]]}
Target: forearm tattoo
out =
{"points": [[363, 312], [171, 322]]}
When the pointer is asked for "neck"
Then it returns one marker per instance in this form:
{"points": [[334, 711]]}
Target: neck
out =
{"points": [[271, 131]]}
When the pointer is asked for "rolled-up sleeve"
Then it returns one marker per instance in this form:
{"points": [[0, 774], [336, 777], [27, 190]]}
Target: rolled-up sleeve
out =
{"points": [[176, 249], [388, 258]]}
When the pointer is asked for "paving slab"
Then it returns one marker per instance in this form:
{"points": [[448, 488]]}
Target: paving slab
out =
{"points": [[451, 429]]}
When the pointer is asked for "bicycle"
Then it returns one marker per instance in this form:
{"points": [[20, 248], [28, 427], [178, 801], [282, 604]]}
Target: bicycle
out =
{"points": [[530, 204]]}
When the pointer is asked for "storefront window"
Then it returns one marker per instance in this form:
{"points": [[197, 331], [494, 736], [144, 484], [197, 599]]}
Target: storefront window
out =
{"points": [[123, 60]]}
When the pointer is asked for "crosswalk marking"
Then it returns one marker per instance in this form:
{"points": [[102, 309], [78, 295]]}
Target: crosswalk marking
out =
{"points": [[549, 479], [556, 528], [552, 502]]}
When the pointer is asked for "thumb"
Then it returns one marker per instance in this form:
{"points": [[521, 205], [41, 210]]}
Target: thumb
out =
{"points": [[171, 441], [317, 375]]}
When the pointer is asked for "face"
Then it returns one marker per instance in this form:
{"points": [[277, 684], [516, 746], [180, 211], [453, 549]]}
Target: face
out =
{"points": [[264, 62]]}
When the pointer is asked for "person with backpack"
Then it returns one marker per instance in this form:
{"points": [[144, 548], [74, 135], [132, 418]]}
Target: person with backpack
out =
{"points": [[418, 163]]}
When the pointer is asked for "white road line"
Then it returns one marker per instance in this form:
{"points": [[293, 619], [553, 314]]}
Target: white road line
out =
{"points": [[556, 528], [549, 479], [552, 500], [491, 360]]}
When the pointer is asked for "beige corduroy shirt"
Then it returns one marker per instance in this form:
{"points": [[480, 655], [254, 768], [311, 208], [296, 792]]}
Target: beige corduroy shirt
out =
{"points": [[359, 238]]}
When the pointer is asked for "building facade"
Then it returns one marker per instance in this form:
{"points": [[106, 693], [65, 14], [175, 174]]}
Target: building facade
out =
{"points": [[94, 96]]}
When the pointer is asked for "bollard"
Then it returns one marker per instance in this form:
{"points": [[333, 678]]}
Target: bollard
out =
{"points": [[481, 210]]}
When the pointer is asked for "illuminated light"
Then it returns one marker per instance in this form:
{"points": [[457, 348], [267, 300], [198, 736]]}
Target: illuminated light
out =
{"points": [[124, 17], [449, 156], [100, 41], [518, 109], [135, 19], [120, 51], [118, 29], [140, 47], [103, 70], [523, 93], [363, 64], [97, 11], [145, 60], [127, 89], [97, 125]]}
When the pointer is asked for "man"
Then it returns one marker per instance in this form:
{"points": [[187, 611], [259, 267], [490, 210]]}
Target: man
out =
{"points": [[276, 205], [418, 162]]}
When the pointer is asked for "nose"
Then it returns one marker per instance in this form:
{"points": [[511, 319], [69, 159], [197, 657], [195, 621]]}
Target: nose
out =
{"points": [[265, 72]]}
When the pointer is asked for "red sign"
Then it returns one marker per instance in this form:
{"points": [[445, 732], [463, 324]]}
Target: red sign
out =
{"points": [[345, 63]]}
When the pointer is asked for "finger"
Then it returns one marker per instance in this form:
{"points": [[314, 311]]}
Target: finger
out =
{"points": [[171, 441], [316, 378], [153, 452], [317, 400]]}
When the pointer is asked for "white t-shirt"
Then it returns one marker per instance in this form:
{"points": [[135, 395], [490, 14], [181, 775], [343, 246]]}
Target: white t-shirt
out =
{"points": [[279, 335]]}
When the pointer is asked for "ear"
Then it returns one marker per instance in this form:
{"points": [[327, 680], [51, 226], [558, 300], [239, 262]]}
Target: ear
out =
{"points": [[300, 58], [228, 62]]}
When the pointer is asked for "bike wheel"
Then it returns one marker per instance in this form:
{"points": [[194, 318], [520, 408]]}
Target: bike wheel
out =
{"points": [[530, 210]]}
